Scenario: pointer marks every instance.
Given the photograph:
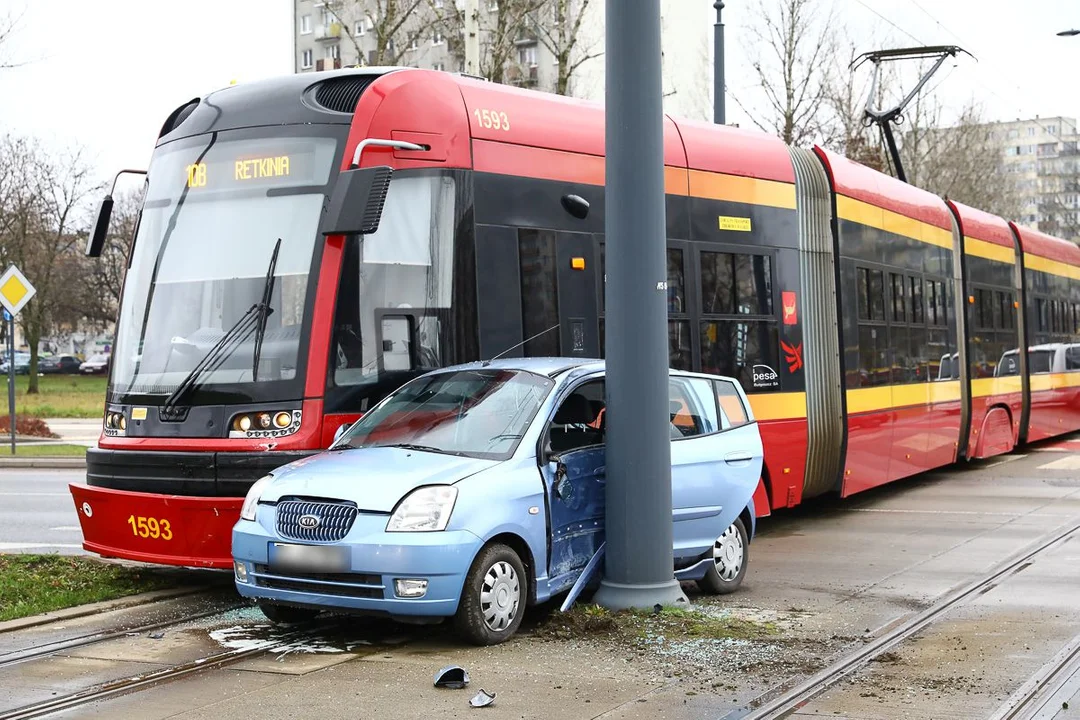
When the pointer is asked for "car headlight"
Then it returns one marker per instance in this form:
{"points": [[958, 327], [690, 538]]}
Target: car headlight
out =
{"points": [[424, 510], [247, 512]]}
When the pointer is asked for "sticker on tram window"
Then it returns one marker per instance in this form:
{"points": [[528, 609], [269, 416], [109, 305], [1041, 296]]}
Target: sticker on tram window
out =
{"points": [[739, 224], [492, 119], [148, 527]]}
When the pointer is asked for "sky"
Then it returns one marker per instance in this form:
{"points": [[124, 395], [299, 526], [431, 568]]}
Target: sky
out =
{"points": [[106, 73]]}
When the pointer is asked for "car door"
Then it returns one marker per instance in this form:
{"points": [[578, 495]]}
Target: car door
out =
{"points": [[574, 470], [716, 458]]}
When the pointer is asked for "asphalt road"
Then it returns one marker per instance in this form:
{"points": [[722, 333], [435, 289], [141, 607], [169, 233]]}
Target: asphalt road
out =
{"points": [[37, 513]]}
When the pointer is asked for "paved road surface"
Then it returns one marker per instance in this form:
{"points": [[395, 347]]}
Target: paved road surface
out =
{"points": [[37, 513]]}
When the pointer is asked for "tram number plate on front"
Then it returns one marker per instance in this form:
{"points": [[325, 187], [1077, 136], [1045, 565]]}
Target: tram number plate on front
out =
{"points": [[148, 527], [309, 558]]}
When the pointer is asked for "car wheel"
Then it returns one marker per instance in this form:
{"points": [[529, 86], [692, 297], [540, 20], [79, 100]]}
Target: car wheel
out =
{"points": [[730, 554], [286, 614], [493, 597]]}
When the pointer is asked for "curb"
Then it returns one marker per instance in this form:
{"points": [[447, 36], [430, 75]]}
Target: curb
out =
{"points": [[99, 607], [44, 462]]}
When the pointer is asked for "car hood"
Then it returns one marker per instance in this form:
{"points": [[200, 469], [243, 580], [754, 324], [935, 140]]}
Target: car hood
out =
{"points": [[376, 478]]}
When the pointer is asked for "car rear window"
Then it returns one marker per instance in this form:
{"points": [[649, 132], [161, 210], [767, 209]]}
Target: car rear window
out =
{"points": [[732, 411]]}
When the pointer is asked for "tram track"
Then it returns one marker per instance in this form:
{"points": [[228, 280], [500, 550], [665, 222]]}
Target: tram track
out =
{"points": [[132, 683], [1063, 671], [50, 648], [1045, 692]]}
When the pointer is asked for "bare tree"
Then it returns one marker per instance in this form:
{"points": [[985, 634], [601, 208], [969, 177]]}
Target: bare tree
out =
{"points": [[958, 161], [793, 50], [40, 233], [501, 28], [395, 25], [558, 27], [8, 25]]}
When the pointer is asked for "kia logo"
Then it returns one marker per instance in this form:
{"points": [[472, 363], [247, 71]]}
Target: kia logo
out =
{"points": [[309, 521]]}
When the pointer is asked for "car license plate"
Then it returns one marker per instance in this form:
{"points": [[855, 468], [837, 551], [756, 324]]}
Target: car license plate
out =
{"points": [[308, 558]]}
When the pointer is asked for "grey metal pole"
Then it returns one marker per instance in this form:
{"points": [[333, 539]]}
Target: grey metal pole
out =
{"points": [[638, 569], [11, 374], [718, 66]]}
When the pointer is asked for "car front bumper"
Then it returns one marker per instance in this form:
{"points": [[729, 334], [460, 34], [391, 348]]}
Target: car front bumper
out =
{"points": [[376, 559]]}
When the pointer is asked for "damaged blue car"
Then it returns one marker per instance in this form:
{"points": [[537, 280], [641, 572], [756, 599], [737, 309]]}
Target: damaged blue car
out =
{"points": [[475, 491]]}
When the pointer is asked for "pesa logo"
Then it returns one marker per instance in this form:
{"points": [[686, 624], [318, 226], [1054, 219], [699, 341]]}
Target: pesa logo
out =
{"points": [[764, 377]]}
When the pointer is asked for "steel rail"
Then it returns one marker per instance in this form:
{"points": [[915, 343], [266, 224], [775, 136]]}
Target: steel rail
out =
{"points": [[797, 697]]}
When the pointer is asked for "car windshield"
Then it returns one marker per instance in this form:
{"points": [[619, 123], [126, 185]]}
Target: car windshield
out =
{"points": [[477, 413]]}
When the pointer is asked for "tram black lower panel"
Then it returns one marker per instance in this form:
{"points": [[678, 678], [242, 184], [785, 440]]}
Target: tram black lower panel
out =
{"points": [[197, 474]]}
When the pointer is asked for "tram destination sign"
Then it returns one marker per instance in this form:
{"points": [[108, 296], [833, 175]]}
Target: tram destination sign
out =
{"points": [[15, 290]]}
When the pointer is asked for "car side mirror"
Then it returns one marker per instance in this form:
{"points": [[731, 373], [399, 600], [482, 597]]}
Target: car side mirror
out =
{"points": [[356, 205], [342, 429]]}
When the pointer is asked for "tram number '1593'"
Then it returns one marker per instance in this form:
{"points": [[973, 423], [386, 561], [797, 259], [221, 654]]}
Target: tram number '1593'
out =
{"points": [[492, 120], [150, 527]]}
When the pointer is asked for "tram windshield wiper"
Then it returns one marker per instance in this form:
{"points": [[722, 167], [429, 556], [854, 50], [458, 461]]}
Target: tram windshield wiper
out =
{"points": [[254, 320]]}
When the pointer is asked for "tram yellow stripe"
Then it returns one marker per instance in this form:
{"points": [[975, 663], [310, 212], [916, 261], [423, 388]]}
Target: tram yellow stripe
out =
{"points": [[1053, 267], [736, 188], [989, 251], [890, 397], [866, 214], [987, 387], [778, 406], [1054, 381]]}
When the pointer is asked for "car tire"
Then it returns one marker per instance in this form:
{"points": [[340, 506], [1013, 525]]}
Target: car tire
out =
{"points": [[286, 614], [493, 597], [730, 554]]}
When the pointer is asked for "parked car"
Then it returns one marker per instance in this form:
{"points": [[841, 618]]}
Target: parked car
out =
{"points": [[59, 364], [22, 363], [95, 365], [473, 491]]}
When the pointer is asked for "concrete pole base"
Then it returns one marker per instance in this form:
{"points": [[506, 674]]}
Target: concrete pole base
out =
{"points": [[618, 596]]}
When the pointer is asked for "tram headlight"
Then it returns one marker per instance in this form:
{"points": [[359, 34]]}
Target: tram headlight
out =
{"points": [[251, 501], [264, 423]]}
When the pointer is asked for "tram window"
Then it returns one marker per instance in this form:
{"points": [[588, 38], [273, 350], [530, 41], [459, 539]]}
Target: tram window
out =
{"points": [[680, 354], [1041, 315], [733, 347], [935, 302], [676, 283], [916, 299], [905, 365], [736, 284], [873, 356], [864, 293], [877, 295], [984, 309], [1000, 316], [899, 298], [539, 292]]}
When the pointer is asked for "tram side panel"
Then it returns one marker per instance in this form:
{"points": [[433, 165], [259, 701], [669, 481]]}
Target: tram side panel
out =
{"points": [[1052, 296], [990, 300], [899, 327]]}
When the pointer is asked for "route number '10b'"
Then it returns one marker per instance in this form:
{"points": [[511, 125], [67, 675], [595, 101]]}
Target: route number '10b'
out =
{"points": [[150, 527]]}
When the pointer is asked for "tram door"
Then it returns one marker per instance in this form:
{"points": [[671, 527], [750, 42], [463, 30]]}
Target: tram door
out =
{"points": [[558, 293]]}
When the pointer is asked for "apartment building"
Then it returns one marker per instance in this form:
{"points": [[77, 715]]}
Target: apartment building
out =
{"points": [[325, 40], [1043, 155]]}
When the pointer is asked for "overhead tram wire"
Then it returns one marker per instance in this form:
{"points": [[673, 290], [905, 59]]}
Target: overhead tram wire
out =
{"points": [[977, 77]]}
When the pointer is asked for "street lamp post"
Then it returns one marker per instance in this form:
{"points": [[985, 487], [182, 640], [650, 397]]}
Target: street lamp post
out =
{"points": [[718, 66]]}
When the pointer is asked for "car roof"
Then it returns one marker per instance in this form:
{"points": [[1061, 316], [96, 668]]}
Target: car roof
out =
{"points": [[554, 366], [548, 366]]}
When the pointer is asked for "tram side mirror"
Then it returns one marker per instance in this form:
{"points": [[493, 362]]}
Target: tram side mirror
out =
{"points": [[576, 206], [356, 205], [96, 241]]}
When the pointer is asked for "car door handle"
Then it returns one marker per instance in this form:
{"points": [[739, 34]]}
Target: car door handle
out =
{"points": [[737, 457]]}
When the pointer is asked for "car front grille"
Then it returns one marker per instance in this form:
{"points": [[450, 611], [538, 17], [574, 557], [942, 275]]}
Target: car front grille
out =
{"points": [[334, 520]]}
